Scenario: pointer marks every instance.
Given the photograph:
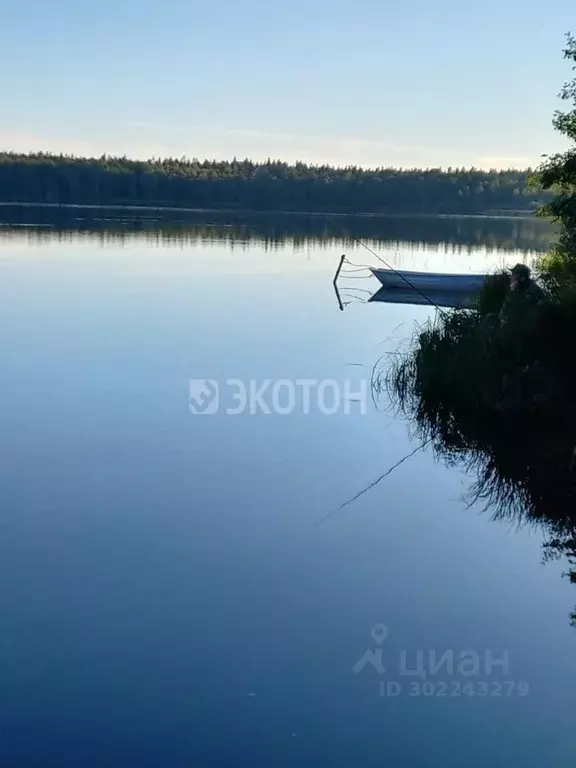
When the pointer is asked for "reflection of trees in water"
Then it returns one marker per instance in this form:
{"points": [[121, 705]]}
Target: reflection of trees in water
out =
{"points": [[273, 231], [493, 392], [525, 471]]}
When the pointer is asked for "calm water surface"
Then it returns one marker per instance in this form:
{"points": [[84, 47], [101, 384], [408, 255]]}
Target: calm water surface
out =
{"points": [[168, 596]]}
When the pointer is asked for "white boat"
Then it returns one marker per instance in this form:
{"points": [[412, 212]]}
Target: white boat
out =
{"points": [[424, 281]]}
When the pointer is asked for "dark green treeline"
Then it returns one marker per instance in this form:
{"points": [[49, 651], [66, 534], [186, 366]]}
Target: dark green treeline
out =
{"points": [[270, 186]]}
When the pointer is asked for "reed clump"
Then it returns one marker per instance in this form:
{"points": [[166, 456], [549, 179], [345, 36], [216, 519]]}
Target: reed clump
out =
{"points": [[509, 360]]}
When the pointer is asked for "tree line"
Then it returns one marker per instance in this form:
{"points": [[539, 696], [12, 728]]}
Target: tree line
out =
{"points": [[269, 186]]}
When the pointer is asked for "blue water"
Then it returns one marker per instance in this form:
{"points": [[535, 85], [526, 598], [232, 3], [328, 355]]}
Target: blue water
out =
{"points": [[167, 594]]}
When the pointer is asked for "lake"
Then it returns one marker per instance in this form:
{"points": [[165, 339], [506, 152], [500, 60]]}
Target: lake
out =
{"points": [[178, 583]]}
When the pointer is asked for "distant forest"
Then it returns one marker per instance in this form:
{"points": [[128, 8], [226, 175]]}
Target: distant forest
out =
{"points": [[269, 186]]}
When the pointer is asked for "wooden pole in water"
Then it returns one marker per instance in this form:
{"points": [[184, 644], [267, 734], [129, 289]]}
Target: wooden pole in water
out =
{"points": [[335, 281]]}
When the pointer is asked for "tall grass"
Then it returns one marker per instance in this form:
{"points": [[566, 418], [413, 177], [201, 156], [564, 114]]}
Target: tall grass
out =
{"points": [[495, 386]]}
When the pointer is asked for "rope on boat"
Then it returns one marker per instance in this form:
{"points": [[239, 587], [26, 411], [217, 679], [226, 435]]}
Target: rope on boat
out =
{"points": [[360, 268], [399, 274]]}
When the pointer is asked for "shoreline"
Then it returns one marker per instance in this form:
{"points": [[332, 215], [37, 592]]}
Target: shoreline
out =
{"points": [[492, 214]]}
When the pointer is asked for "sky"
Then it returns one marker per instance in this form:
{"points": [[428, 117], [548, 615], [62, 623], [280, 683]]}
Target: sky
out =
{"points": [[364, 82]]}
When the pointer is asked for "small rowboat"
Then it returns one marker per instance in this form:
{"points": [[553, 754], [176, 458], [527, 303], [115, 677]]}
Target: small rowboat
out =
{"points": [[429, 281]]}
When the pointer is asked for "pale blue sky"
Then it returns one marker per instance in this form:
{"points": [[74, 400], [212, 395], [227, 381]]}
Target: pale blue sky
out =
{"points": [[413, 83]]}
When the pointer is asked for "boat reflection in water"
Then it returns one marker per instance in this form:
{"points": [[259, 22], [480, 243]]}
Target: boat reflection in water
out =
{"points": [[439, 297]]}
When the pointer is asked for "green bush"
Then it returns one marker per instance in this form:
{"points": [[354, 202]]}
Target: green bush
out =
{"points": [[494, 386]]}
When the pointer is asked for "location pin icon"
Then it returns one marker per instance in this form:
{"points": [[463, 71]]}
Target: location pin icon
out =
{"points": [[379, 632]]}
